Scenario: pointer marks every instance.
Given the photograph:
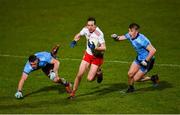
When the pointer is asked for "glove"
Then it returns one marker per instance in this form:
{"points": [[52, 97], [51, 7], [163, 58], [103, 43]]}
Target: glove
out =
{"points": [[19, 94], [52, 75], [73, 43], [144, 63], [91, 45], [115, 37]]}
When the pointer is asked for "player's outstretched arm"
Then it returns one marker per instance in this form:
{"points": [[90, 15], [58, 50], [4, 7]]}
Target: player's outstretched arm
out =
{"points": [[74, 42], [19, 94], [118, 38]]}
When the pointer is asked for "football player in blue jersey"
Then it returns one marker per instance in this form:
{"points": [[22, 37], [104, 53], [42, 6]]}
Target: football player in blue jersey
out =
{"points": [[144, 60], [47, 61]]}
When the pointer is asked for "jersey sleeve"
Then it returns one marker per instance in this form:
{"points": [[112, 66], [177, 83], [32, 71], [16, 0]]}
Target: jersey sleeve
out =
{"points": [[101, 39], [127, 36], [83, 31], [144, 41], [27, 68], [46, 57]]}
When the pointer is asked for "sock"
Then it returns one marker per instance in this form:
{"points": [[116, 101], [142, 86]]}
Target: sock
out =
{"points": [[63, 82]]}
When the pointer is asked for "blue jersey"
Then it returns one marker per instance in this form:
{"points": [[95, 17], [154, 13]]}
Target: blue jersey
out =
{"points": [[44, 59], [139, 44]]}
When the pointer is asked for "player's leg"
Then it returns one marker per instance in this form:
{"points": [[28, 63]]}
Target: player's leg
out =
{"points": [[54, 51], [99, 75], [82, 69], [64, 82], [48, 70], [153, 78], [145, 78], [98, 61], [139, 75], [92, 72], [132, 71]]}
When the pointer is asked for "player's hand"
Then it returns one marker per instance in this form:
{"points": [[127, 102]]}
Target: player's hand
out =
{"points": [[52, 75], [91, 45], [19, 95], [115, 37], [144, 63], [73, 43]]}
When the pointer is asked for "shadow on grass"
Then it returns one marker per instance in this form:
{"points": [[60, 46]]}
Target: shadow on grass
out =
{"points": [[21, 103], [106, 89], [58, 88], [110, 88], [162, 85]]}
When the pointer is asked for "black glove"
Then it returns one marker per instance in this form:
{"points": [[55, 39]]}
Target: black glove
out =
{"points": [[115, 37], [91, 45], [144, 63], [73, 43]]}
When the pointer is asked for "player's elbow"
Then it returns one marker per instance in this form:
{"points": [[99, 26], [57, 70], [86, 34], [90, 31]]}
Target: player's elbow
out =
{"points": [[57, 63], [104, 48], [23, 79], [153, 51]]}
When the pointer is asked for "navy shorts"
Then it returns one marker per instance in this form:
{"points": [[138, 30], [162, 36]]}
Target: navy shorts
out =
{"points": [[147, 68], [48, 68]]}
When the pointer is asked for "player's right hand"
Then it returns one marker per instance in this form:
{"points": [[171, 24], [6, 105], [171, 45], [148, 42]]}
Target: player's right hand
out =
{"points": [[52, 75], [19, 94], [144, 63], [115, 37], [73, 43]]}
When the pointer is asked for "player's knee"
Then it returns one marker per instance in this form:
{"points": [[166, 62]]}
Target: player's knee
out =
{"points": [[56, 80], [130, 74], [135, 79], [58, 63], [90, 78]]}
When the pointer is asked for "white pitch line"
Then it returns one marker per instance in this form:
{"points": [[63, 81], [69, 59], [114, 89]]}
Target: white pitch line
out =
{"points": [[107, 61]]}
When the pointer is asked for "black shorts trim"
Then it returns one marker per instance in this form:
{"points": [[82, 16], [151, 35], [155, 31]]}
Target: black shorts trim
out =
{"points": [[48, 68]]}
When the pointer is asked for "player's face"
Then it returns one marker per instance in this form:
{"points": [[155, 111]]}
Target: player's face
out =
{"points": [[91, 26], [34, 64], [133, 32]]}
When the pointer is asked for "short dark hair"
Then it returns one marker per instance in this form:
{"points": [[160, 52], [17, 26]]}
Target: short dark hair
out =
{"points": [[92, 19], [134, 25], [32, 58]]}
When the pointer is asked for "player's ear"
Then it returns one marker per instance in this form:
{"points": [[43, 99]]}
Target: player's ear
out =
{"points": [[129, 30]]}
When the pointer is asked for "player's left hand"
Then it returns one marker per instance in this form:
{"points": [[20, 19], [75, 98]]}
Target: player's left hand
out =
{"points": [[19, 95], [91, 45], [144, 63]]}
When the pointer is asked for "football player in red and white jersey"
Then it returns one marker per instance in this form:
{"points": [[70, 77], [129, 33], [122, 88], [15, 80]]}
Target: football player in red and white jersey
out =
{"points": [[93, 57]]}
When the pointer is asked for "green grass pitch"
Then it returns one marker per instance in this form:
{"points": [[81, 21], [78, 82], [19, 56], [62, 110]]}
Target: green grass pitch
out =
{"points": [[28, 26]]}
